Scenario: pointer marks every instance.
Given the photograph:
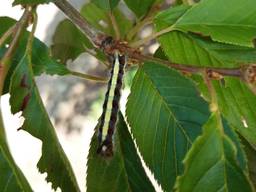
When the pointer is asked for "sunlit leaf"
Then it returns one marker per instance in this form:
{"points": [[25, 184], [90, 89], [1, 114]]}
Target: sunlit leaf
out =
{"points": [[25, 97], [31, 2], [211, 165], [229, 21], [234, 95], [11, 177]]}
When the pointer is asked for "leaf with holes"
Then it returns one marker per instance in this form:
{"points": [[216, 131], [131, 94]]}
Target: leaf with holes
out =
{"points": [[123, 172], [11, 177], [41, 59], [25, 97], [211, 165], [234, 95], [165, 113], [234, 22]]}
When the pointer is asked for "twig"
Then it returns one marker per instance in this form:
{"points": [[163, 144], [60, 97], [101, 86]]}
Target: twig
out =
{"points": [[6, 59], [115, 26], [212, 93], [78, 20], [98, 38], [234, 72], [89, 77], [31, 37], [151, 37], [138, 26]]}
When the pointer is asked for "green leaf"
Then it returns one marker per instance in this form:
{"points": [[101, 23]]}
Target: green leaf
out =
{"points": [[11, 177], [234, 22], [208, 52], [234, 95], [211, 164], [140, 7], [69, 42], [165, 113], [100, 19], [240, 153], [25, 97], [31, 2], [123, 172], [106, 5], [42, 62], [238, 105], [251, 156], [6, 23]]}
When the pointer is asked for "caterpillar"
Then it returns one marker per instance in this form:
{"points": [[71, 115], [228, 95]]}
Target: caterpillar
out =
{"points": [[111, 106]]}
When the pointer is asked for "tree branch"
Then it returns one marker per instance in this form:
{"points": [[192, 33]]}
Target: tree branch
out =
{"points": [[98, 39], [89, 77], [234, 72], [78, 20]]}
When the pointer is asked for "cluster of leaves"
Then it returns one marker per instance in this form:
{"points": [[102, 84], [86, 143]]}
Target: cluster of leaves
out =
{"points": [[186, 146]]}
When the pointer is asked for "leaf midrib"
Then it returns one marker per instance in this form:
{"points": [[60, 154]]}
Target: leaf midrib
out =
{"points": [[166, 105]]}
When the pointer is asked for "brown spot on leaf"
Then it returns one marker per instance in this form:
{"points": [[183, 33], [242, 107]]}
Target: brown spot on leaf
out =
{"points": [[254, 42], [1, 69], [25, 101], [24, 81]]}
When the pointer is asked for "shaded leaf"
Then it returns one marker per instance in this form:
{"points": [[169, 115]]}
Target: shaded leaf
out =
{"points": [[251, 156], [31, 2], [140, 7], [234, 22], [11, 177], [165, 113], [234, 95], [211, 164], [68, 41], [122, 172], [240, 155], [106, 5], [100, 19], [25, 97]]}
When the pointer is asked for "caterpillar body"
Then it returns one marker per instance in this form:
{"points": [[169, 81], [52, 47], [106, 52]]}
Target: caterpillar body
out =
{"points": [[111, 106]]}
